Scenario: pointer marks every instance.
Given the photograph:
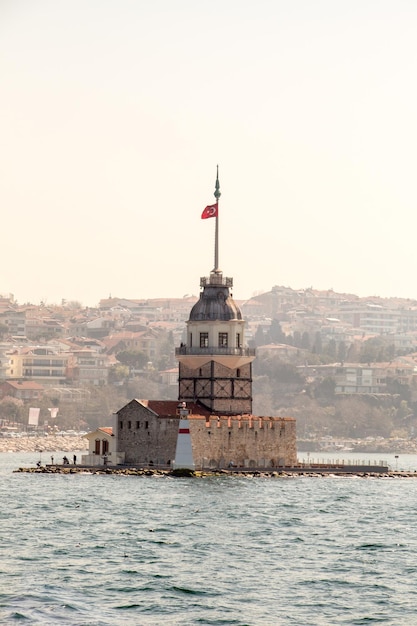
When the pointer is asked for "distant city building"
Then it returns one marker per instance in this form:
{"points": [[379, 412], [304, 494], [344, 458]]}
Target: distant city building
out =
{"points": [[41, 364], [22, 389]]}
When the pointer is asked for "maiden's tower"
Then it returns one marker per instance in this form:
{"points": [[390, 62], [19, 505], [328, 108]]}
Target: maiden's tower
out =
{"points": [[215, 392]]}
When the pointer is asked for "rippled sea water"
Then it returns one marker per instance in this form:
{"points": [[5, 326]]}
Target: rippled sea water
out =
{"points": [[98, 550]]}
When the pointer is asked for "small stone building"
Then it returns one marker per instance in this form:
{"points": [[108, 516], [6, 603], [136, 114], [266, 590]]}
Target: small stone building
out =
{"points": [[148, 430]]}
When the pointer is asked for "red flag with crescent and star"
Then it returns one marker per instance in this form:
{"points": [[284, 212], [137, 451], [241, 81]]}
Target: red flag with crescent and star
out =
{"points": [[210, 211]]}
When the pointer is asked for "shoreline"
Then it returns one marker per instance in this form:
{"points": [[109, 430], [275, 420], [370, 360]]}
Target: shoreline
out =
{"points": [[50, 443], [288, 472]]}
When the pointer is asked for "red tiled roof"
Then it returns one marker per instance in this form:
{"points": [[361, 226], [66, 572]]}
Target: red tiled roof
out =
{"points": [[106, 429], [24, 384]]}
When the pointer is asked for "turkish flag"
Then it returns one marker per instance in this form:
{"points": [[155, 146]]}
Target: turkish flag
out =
{"points": [[210, 211]]}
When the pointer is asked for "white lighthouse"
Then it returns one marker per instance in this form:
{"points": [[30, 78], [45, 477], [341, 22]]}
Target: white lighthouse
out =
{"points": [[184, 451]]}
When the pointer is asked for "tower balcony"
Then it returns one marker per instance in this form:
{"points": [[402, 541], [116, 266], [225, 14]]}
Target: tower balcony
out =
{"points": [[215, 350], [229, 357]]}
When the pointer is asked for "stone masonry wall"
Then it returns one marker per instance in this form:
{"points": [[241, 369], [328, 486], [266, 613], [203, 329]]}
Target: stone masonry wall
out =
{"points": [[217, 442], [248, 441], [145, 437]]}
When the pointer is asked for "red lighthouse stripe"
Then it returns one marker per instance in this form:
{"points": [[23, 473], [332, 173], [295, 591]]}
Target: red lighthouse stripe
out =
{"points": [[183, 431]]}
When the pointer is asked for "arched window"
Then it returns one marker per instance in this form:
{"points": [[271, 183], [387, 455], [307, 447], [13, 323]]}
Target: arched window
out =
{"points": [[97, 446], [105, 446]]}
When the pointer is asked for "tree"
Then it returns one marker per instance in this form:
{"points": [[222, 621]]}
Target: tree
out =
{"points": [[373, 350], [331, 349], [341, 352], [132, 358], [352, 355], [166, 352], [297, 339], [275, 334], [402, 390], [12, 409], [326, 388], [118, 373], [391, 352], [305, 341], [259, 337], [318, 344]]}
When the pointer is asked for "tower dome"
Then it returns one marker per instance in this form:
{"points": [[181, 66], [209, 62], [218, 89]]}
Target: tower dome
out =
{"points": [[215, 303]]}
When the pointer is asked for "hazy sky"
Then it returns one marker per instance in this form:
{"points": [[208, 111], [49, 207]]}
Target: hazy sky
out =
{"points": [[114, 114]]}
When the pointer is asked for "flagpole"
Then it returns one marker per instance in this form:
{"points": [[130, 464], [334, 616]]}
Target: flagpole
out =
{"points": [[217, 195]]}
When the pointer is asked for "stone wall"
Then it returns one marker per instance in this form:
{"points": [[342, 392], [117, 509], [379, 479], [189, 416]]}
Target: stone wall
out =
{"points": [[246, 441], [144, 437], [217, 442]]}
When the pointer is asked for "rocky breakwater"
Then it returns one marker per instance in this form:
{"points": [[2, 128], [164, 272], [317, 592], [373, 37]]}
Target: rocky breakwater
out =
{"points": [[50, 443], [159, 473]]}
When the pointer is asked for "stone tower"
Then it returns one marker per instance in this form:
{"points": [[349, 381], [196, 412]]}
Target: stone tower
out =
{"points": [[215, 364]]}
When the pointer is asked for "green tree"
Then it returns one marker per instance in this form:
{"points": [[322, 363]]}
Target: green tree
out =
{"points": [[297, 339], [341, 352], [132, 358], [305, 341], [318, 343], [12, 409], [166, 351], [326, 388], [391, 352], [275, 334], [373, 350], [331, 349], [118, 373], [259, 337]]}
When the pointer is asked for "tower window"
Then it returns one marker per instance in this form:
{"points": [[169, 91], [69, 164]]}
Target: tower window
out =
{"points": [[238, 340], [223, 340], [200, 372], [238, 373], [203, 340], [191, 340]]}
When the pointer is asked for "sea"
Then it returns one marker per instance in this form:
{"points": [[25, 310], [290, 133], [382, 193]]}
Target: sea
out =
{"points": [[100, 550]]}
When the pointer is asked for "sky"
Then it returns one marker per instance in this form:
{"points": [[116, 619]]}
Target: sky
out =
{"points": [[115, 113]]}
